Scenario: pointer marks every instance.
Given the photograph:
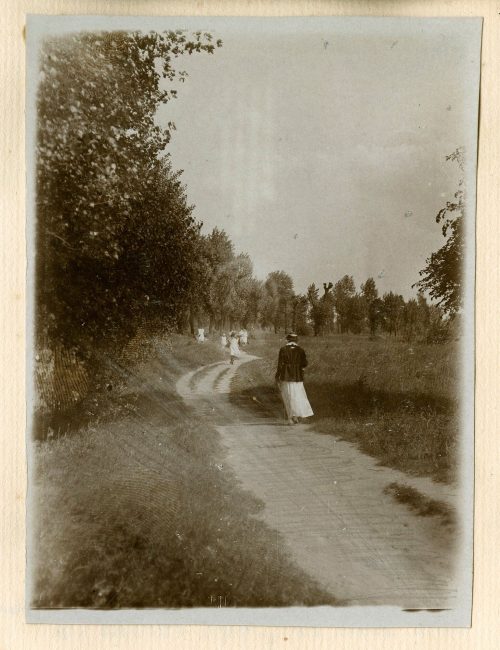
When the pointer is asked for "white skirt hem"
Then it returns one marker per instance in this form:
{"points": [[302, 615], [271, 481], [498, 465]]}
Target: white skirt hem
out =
{"points": [[295, 399]]}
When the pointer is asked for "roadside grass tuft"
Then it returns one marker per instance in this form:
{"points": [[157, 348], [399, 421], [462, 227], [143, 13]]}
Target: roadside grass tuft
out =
{"points": [[422, 505]]}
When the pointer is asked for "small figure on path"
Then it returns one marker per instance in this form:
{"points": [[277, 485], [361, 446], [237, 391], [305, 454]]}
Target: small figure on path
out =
{"points": [[234, 348], [243, 336], [201, 335], [223, 340], [290, 379]]}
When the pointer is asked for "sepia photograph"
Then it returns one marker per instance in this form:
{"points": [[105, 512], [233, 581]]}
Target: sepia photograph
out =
{"points": [[250, 363]]}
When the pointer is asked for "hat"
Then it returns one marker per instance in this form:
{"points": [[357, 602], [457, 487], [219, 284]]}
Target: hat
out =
{"points": [[291, 336]]}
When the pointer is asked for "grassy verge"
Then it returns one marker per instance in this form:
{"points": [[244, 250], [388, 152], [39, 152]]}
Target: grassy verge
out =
{"points": [[139, 510], [422, 505], [396, 401]]}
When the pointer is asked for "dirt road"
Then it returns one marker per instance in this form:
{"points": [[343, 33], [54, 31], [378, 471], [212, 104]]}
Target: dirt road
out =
{"points": [[327, 499]]}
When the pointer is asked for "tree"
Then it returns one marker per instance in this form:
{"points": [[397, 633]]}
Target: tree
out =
{"points": [[439, 326], [356, 314], [278, 300], [299, 315], [115, 234], [242, 269], [343, 292], [327, 308], [315, 309], [254, 303], [372, 304], [375, 315], [423, 313], [442, 277], [369, 291], [393, 309], [216, 293], [410, 317]]}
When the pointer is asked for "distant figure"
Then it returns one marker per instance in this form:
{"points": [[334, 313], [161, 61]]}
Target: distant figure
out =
{"points": [[201, 335], [234, 348], [290, 379], [243, 336], [223, 340]]}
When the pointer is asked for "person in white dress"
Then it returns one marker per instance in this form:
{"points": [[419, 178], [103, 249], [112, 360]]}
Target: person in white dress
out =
{"points": [[290, 379], [201, 335], [234, 348], [243, 337], [223, 340]]}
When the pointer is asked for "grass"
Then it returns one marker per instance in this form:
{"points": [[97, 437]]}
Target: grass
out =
{"points": [[396, 401], [106, 398], [137, 509], [421, 504]]}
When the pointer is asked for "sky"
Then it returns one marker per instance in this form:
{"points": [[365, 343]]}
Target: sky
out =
{"points": [[321, 152]]}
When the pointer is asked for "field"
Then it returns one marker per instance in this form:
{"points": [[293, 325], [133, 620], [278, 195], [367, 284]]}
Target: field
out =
{"points": [[131, 510], [396, 401]]}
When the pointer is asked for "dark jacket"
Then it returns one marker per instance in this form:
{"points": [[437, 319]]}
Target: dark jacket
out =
{"points": [[291, 363]]}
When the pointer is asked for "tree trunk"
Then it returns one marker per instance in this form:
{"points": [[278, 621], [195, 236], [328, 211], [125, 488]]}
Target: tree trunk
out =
{"points": [[191, 319]]}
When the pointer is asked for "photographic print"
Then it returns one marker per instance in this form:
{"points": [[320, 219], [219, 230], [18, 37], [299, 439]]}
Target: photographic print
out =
{"points": [[251, 319]]}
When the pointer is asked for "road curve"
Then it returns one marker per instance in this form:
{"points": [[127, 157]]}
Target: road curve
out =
{"points": [[327, 500]]}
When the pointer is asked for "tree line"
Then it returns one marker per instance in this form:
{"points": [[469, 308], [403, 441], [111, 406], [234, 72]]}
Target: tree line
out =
{"points": [[234, 298], [117, 243], [116, 240]]}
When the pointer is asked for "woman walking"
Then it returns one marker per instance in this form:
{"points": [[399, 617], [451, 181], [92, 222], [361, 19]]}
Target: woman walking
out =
{"points": [[234, 348], [290, 379]]}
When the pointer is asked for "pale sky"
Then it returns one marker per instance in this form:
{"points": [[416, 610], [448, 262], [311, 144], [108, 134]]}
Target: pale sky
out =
{"points": [[323, 153]]}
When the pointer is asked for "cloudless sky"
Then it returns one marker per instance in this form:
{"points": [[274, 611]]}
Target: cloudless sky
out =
{"points": [[322, 152]]}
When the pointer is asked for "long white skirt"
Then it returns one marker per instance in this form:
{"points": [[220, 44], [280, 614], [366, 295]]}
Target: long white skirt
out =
{"points": [[295, 399]]}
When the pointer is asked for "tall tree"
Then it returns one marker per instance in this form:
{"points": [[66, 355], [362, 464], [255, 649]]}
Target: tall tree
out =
{"points": [[218, 293], [423, 313], [299, 314], [327, 307], [242, 276], [343, 292], [115, 234], [315, 309], [278, 303], [410, 319], [356, 314], [442, 277], [254, 303], [369, 291], [375, 315], [372, 304], [393, 311]]}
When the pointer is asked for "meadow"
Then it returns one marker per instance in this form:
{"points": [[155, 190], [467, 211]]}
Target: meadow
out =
{"points": [[396, 401], [133, 510]]}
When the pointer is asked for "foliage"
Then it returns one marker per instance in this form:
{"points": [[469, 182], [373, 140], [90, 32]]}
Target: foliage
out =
{"points": [[355, 314], [393, 312], [343, 291], [375, 315], [278, 299], [442, 277], [316, 313], [299, 315], [369, 291], [115, 235]]}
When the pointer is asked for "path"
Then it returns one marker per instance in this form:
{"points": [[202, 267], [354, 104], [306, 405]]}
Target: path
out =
{"points": [[327, 500]]}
